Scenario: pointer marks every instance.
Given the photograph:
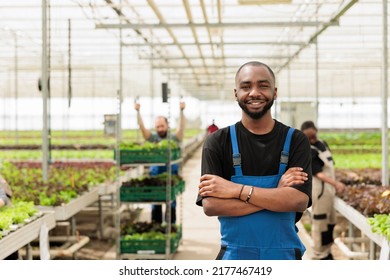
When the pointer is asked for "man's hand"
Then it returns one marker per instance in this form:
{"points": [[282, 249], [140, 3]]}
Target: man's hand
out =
{"points": [[340, 187], [137, 106], [215, 186], [293, 176], [182, 105]]}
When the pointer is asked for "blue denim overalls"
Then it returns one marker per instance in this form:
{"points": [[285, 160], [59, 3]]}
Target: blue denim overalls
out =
{"points": [[264, 235]]}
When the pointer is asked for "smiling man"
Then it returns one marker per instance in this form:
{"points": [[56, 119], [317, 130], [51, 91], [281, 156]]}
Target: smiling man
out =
{"points": [[256, 175]]}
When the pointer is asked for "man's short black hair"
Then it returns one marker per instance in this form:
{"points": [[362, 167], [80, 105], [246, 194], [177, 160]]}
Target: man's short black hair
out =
{"points": [[308, 124], [256, 63]]}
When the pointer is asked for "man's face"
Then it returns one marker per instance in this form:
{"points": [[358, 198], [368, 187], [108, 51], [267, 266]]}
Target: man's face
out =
{"points": [[161, 127], [255, 90], [311, 134]]}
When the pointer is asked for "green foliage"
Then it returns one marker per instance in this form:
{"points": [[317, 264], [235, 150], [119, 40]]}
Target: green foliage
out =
{"points": [[351, 138], [148, 236], [154, 181], [380, 224], [65, 180], [46, 200], [56, 154], [353, 161], [147, 231], [5, 221], [68, 137], [149, 146], [16, 213]]}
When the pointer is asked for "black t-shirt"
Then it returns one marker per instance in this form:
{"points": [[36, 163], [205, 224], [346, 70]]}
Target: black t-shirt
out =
{"points": [[316, 163], [260, 155]]}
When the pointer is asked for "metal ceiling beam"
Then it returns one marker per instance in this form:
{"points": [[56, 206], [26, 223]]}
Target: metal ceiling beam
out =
{"points": [[221, 37], [275, 43], [160, 17], [193, 30], [218, 58], [206, 20], [201, 74], [216, 25], [336, 18], [195, 66]]}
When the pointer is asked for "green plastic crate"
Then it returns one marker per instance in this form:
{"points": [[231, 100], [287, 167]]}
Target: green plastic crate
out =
{"points": [[149, 193], [147, 156], [149, 246]]}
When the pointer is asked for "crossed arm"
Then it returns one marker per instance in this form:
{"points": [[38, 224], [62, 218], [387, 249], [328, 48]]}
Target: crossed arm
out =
{"points": [[222, 197]]}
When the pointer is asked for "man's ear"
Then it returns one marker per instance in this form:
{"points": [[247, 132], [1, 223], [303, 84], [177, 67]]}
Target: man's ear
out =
{"points": [[235, 94], [275, 93]]}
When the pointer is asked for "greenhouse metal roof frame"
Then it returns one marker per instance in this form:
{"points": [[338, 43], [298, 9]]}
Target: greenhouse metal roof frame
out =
{"points": [[327, 46], [198, 44]]}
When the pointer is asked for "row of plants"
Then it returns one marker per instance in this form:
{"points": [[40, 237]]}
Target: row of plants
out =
{"points": [[76, 154], [88, 137], [354, 149], [129, 142], [148, 152], [159, 180], [18, 213], [364, 191], [66, 180], [380, 224], [352, 138], [146, 230], [56, 154], [150, 237], [366, 194], [149, 146], [151, 188]]}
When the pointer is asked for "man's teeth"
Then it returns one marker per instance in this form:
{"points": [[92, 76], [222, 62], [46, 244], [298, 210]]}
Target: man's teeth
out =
{"points": [[256, 101]]}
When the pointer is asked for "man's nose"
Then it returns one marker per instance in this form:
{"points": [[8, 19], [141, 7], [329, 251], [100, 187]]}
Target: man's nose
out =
{"points": [[255, 91]]}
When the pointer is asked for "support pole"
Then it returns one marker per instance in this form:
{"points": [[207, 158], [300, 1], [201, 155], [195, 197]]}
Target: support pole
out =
{"points": [[168, 203], [45, 143], [385, 89], [16, 86], [316, 85]]}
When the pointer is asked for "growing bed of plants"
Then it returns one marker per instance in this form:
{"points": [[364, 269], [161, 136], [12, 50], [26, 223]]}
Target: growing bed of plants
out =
{"points": [[66, 180], [358, 160], [67, 144], [15, 215]]}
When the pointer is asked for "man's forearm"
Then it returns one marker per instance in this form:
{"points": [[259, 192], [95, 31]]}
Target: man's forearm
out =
{"points": [[285, 199], [145, 132], [213, 206], [326, 179], [180, 128]]}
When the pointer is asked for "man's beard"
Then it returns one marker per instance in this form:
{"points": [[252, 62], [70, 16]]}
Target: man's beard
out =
{"points": [[162, 134], [256, 115]]}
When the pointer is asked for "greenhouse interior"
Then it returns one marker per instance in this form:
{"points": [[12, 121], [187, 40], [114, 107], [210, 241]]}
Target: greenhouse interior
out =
{"points": [[113, 111]]}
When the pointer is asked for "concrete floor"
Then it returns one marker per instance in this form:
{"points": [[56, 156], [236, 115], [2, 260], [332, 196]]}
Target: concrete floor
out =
{"points": [[201, 238]]}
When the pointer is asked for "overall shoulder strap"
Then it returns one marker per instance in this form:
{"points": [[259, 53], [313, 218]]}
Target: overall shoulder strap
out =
{"points": [[236, 152], [285, 152], [315, 148]]}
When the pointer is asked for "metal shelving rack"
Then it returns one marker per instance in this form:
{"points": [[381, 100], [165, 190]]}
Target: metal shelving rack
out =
{"points": [[168, 254]]}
